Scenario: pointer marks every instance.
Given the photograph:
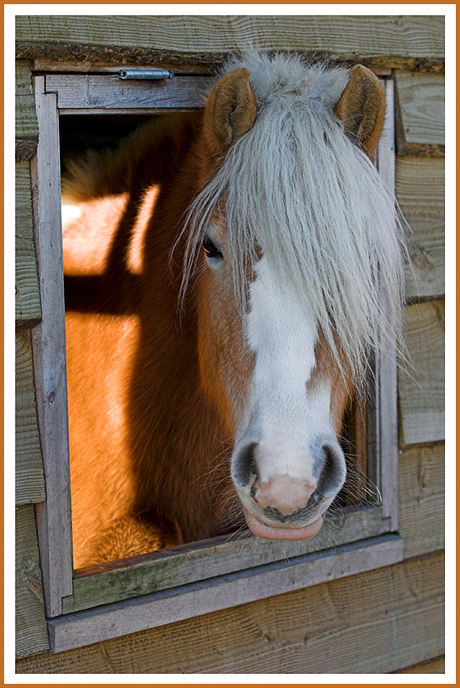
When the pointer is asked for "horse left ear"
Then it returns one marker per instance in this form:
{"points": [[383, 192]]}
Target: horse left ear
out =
{"points": [[230, 112], [361, 107]]}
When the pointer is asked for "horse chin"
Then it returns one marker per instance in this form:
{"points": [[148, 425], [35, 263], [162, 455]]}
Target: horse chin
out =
{"points": [[286, 533]]}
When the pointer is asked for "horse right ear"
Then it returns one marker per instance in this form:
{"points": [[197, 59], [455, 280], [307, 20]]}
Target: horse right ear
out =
{"points": [[230, 112]]}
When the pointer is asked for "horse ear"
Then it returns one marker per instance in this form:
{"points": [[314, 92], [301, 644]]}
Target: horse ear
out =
{"points": [[230, 112], [361, 107]]}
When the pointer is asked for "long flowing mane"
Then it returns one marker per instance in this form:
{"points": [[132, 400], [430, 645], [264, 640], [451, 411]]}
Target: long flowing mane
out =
{"points": [[296, 188]]}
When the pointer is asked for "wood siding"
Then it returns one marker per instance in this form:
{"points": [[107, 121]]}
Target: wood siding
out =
{"points": [[409, 42], [28, 311], [26, 120], [420, 192], [31, 633], [324, 628], [30, 482], [421, 113], [421, 383]]}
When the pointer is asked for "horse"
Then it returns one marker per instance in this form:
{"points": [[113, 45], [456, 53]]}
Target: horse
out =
{"points": [[224, 273]]}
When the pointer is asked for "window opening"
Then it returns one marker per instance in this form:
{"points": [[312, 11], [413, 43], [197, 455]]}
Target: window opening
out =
{"points": [[81, 133]]}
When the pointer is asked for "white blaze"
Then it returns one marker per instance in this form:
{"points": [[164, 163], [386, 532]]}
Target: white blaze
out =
{"points": [[288, 420]]}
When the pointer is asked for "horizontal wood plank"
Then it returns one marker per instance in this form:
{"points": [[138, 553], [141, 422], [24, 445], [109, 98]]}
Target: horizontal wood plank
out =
{"points": [[40, 65], [63, 66], [421, 387], [421, 116], [420, 192], [367, 623], [31, 631], [107, 92], [436, 666], [425, 271], [420, 187], [222, 592], [30, 482], [26, 120], [27, 292], [422, 499], [176, 566], [413, 42]]}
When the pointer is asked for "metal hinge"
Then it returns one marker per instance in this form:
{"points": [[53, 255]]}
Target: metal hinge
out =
{"points": [[142, 73]]}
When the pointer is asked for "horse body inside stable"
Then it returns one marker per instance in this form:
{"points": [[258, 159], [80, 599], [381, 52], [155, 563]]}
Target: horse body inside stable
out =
{"points": [[224, 274]]}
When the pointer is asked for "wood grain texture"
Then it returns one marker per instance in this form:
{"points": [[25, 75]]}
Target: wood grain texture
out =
{"points": [[422, 499], [158, 571], [426, 545], [364, 624], [53, 66], [31, 632], [30, 482], [28, 309], [413, 42], [421, 115], [26, 120], [223, 592], [23, 79], [421, 390], [386, 424], [108, 93], [40, 65], [420, 192], [436, 666], [48, 343], [420, 187]]}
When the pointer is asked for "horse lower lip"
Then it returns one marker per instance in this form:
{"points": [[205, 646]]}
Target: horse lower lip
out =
{"points": [[272, 533]]}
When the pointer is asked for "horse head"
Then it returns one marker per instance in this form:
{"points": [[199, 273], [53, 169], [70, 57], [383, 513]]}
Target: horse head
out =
{"points": [[289, 301]]}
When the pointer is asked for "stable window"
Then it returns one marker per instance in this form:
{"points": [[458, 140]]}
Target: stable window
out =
{"points": [[91, 605]]}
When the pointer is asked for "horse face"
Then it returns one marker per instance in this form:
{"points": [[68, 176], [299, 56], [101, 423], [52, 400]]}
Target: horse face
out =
{"points": [[274, 384], [267, 367]]}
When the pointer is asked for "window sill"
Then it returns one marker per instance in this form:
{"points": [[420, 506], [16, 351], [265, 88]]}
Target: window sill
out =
{"points": [[221, 592]]}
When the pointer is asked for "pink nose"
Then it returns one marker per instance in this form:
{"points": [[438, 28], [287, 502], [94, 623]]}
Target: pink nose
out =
{"points": [[284, 493]]}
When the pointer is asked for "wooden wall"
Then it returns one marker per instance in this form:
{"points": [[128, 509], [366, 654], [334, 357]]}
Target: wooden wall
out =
{"points": [[325, 628]]}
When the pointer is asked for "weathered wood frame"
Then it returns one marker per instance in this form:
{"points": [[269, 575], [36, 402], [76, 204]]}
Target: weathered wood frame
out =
{"points": [[163, 587]]}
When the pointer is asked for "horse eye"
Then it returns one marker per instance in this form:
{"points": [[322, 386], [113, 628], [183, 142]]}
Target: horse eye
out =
{"points": [[210, 249]]}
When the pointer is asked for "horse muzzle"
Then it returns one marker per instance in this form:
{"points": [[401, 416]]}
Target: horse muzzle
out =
{"points": [[286, 507]]}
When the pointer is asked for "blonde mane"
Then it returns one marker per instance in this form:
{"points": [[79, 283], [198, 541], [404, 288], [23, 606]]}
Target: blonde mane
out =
{"points": [[296, 188]]}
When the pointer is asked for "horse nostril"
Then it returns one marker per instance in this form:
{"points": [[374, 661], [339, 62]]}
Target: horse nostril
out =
{"points": [[245, 466], [333, 473]]}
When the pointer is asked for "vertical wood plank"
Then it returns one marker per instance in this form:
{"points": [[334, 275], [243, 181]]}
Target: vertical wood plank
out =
{"points": [[26, 121], [386, 382], [27, 293], [30, 482], [54, 515], [31, 632]]}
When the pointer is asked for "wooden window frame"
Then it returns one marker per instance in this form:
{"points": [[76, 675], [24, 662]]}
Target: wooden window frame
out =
{"points": [[178, 583]]}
